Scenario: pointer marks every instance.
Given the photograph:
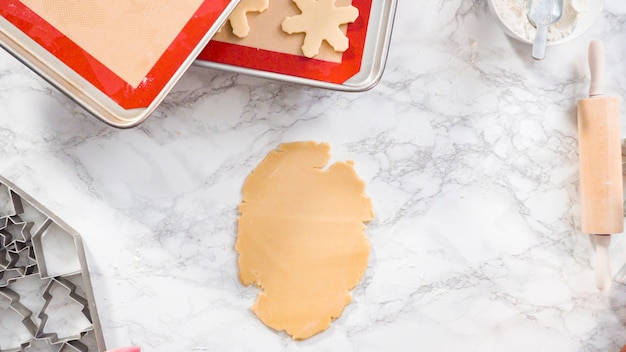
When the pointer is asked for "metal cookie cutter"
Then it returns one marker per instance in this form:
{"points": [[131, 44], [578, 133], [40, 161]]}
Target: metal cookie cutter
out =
{"points": [[46, 299]]}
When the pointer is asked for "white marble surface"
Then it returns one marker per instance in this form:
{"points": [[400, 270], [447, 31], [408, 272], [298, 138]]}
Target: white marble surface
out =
{"points": [[469, 151]]}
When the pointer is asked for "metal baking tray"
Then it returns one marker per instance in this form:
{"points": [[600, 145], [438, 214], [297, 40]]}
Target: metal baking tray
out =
{"points": [[46, 297], [372, 61], [71, 68]]}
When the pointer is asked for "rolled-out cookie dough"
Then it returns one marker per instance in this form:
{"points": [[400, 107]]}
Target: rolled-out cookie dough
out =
{"points": [[301, 237]]}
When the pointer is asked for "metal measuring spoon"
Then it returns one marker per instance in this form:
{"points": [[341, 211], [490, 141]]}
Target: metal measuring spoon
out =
{"points": [[542, 14]]}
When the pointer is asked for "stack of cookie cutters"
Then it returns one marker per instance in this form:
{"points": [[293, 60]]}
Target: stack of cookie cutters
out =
{"points": [[46, 299]]}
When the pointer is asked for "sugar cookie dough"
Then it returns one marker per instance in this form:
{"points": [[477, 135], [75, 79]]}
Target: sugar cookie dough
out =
{"points": [[238, 18], [320, 20], [301, 237]]}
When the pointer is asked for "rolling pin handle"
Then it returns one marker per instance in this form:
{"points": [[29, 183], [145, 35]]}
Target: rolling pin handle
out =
{"points": [[596, 68], [602, 265]]}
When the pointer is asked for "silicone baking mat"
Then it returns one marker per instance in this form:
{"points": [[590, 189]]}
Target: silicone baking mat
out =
{"points": [[330, 69]]}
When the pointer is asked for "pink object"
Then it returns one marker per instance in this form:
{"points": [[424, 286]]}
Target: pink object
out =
{"points": [[126, 349]]}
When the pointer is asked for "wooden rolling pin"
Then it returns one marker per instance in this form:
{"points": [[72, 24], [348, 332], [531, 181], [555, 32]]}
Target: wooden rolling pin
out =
{"points": [[601, 190]]}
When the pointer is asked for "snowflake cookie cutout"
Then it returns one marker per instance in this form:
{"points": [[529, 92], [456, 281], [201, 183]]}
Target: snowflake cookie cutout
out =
{"points": [[320, 20], [238, 18]]}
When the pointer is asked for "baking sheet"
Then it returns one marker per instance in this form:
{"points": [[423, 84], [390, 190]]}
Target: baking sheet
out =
{"points": [[360, 68], [42, 34]]}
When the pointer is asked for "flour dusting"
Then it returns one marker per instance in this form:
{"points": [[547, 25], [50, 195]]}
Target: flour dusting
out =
{"points": [[513, 14]]}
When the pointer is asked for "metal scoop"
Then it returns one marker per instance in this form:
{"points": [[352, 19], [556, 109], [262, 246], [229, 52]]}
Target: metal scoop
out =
{"points": [[542, 14]]}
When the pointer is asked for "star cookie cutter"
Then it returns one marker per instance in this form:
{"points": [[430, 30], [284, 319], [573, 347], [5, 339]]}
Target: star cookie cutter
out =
{"points": [[17, 257], [39, 249]]}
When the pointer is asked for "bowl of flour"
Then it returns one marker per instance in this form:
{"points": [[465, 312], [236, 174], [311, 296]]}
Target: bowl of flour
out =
{"points": [[578, 17]]}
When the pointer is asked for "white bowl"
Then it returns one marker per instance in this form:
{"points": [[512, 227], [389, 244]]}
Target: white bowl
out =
{"points": [[583, 23]]}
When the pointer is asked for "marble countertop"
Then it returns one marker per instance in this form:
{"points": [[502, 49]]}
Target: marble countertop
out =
{"points": [[469, 151]]}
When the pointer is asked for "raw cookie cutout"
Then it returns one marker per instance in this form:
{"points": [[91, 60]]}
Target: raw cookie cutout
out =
{"points": [[320, 20], [301, 237], [238, 18]]}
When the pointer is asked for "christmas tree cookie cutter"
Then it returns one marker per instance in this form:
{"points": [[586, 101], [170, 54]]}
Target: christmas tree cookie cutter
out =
{"points": [[46, 299]]}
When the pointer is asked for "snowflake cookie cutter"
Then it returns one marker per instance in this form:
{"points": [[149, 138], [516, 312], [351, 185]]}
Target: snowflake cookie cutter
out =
{"points": [[46, 297]]}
